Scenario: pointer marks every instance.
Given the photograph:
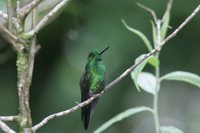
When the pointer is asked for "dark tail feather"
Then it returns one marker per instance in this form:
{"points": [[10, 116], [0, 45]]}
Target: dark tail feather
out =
{"points": [[86, 111], [86, 117]]}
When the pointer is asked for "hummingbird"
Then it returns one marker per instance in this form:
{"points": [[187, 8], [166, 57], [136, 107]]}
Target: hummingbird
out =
{"points": [[92, 82]]}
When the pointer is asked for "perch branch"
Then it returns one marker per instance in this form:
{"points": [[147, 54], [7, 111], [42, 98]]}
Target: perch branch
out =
{"points": [[48, 17], [5, 128], [8, 118], [114, 82]]}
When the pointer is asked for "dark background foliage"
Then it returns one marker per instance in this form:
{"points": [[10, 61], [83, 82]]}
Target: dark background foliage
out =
{"points": [[85, 25]]}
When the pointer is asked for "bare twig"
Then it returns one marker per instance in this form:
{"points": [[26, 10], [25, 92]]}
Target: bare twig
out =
{"points": [[5, 128], [9, 118], [114, 82], [9, 11], [48, 17], [62, 113], [149, 10], [8, 36], [33, 46], [182, 25], [24, 11], [5, 16]]}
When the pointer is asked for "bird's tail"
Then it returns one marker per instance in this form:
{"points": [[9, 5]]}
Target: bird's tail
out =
{"points": [[86, 111]]}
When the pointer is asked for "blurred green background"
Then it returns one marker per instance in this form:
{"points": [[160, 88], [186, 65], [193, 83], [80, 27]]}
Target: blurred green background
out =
{"points": [[87, 24]]}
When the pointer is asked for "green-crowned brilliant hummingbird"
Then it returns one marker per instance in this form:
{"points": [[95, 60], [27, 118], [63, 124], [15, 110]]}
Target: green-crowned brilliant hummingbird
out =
{"points": [[92, 82]]}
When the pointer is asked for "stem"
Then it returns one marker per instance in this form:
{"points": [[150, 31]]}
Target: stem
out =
{"points": [[157, 74], [155, 102]]}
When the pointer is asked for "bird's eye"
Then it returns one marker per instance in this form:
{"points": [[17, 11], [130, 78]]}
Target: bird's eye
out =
{"points": [[91, 55]]}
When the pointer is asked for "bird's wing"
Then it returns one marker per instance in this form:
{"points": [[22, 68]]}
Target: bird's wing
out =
{"points": [[85, 83], [86, 93]]}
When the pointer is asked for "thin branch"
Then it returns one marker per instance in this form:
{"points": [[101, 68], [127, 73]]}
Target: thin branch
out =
{"points": [[9, 11], [114, 82], [5, 16], [32, 47], [5, 128], [9, 118], [62, 113], [24, 11], [8, 36], [182, 25], [48, 17], [148, 10]]}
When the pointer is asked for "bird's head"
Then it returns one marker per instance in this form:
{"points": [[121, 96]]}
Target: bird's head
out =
{"points": [[96, 54]]}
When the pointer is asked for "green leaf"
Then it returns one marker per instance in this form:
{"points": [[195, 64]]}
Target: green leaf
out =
{"points": [[140, 34], [147, 82], [183, 76], [121, 116], [154, 32], [170, 129], [153, 61], [138, 70], [165, 25], [134, 74]]}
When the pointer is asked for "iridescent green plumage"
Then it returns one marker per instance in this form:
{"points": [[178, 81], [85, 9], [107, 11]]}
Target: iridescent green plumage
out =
{"points": [[92, 82]]}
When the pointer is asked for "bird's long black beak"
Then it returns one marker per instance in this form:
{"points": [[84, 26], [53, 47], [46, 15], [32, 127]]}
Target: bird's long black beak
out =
{"points": [[104, 50]]}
